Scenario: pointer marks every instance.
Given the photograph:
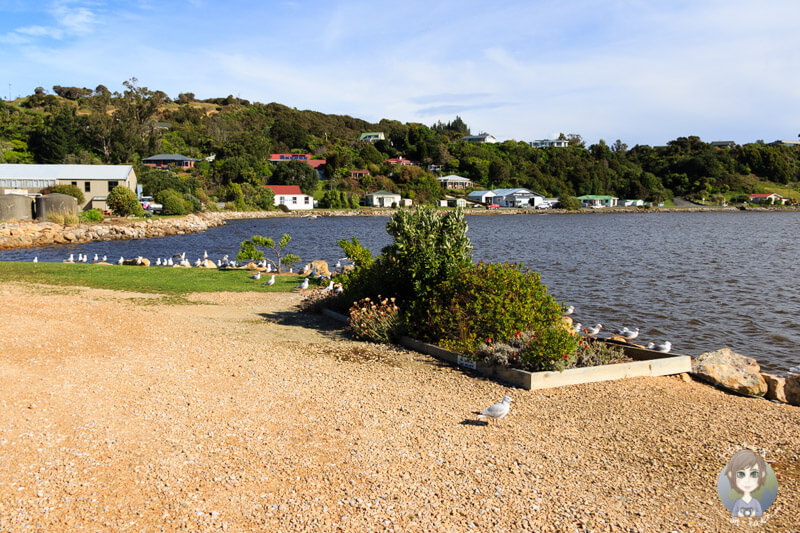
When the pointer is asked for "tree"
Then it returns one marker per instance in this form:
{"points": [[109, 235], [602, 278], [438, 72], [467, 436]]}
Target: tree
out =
{"points": [[250, 250], [123, 202], [295, 173], [70, 190]]}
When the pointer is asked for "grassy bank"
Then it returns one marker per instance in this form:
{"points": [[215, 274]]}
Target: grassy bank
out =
{"points": [[174, 281]]}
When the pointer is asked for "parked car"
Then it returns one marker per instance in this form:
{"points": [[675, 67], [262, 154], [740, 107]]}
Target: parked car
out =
{"points": [[149, 204], [493, 206], [544, 205]]}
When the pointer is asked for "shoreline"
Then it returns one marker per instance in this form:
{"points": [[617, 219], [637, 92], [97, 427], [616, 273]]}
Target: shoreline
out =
{"points": [[29, 234], [246, 415]]}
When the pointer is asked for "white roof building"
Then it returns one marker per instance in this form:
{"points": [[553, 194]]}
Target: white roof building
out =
{"points": [[517, 197], [452, 181], [93, 180]]}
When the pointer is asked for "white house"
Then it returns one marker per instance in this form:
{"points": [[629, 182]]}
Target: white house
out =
{"points": [[598, 200], [632, 203], [482, 197], [95, 181], [451, 181], [482, 138], [766, 198], [382, 199], [547, 143], [517, 198], [291, 196]]}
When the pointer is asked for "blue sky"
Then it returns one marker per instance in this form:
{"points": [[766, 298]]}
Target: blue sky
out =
{"points": [[641, 71]]}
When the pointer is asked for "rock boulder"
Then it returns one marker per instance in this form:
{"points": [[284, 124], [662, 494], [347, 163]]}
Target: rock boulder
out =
{"points": [[776, 387], [792, 389], [732, 371]]}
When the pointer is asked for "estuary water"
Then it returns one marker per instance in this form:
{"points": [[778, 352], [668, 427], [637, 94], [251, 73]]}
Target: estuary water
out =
{"points": [[700, 280]]}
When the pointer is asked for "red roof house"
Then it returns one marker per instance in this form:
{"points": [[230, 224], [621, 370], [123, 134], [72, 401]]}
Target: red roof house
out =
{"points": [[291, 196]]}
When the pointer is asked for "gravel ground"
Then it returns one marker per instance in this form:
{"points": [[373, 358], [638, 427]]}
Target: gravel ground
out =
{"points": [[124, 412]]}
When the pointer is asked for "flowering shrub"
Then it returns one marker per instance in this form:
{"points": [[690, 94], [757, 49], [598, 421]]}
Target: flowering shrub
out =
{"points": [[484, 301], [377, 321], [555, 348]]}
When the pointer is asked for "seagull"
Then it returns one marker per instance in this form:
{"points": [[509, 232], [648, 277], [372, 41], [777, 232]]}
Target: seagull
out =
{"points": [[496, 411], [328, 288], [35, 259], [339, 289], [205, 255], [96, 259], [631, 334], [256, 276], [139, 260], [568, 310], [663, 347], [158, 262], [339, 264], [577, 327], [303, 286], [170, 262], [594, 330], [104, 259], [198, 262], [71, 259], [121, 260], [271, 281]]}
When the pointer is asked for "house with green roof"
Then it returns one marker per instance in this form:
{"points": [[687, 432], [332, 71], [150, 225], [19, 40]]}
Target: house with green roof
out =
{"points": [[372, 136], [598, 200]]}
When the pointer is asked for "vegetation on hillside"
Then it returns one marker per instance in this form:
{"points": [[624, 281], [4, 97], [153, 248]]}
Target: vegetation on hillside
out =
{"points": [[233, 139]]}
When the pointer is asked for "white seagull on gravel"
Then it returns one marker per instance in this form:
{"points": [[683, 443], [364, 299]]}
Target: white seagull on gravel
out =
{"points": [[496, 411], [663, 347]]}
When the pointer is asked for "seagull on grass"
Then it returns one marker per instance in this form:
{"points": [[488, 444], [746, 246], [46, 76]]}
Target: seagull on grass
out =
{"points": [[256, 276], [271, 281], [303, 286], [35, 259], [496, 411]]}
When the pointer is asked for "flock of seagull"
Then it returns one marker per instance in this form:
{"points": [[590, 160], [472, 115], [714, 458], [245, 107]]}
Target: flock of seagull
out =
{"points": [[180, 260], [625, 332]]}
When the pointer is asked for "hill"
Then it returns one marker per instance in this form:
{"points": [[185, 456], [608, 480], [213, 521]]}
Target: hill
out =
{"points": [[233, 139]]}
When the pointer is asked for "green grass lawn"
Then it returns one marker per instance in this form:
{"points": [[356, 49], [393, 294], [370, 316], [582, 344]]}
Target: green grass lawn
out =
{"points": [[160, 280]]}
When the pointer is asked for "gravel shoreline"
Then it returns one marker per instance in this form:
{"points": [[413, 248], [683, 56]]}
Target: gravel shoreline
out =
{"points": [[121, 412]]}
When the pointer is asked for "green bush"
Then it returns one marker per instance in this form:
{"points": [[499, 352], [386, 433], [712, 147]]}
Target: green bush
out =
{"points": [[570, 203], [123, 202], [70, 190], [551, 348], [484, 303], [91, 215], [172, 202]]}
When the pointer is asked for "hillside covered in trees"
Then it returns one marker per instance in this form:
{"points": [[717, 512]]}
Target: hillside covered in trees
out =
{"points": [[81, 125]]}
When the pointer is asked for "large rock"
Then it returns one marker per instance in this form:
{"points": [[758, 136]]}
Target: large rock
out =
{"points": [[776, 387], [792, 389], [320, 266], [731, 370]]}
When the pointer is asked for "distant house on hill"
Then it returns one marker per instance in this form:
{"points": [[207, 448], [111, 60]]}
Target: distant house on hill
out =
{"points": [[169, 161], [401, 161], [372, 136], [291, 196], [455, 182], [359, 174], [722, 144], [549, 143], [316, 164], [480, 138], [767, 198], [96, 181]]}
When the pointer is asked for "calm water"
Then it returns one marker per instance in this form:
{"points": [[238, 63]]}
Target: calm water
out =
{"points": [[701, 280]]}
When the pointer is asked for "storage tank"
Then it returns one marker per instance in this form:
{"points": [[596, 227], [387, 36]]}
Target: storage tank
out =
{"points": [[55, 203], [16, 206]]}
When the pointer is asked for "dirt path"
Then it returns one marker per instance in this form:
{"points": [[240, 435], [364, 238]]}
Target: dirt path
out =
{"points": [[118, 412]]}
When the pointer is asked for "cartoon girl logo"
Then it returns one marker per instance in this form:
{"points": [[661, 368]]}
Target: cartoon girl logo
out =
{"points": [[747, 486]]}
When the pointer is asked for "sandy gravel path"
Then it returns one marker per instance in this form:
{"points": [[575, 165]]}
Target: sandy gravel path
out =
{"points": [[122, 412]]}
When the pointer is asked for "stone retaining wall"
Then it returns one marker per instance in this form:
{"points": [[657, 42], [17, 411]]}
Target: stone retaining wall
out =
{"points": [[28, 234]]}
